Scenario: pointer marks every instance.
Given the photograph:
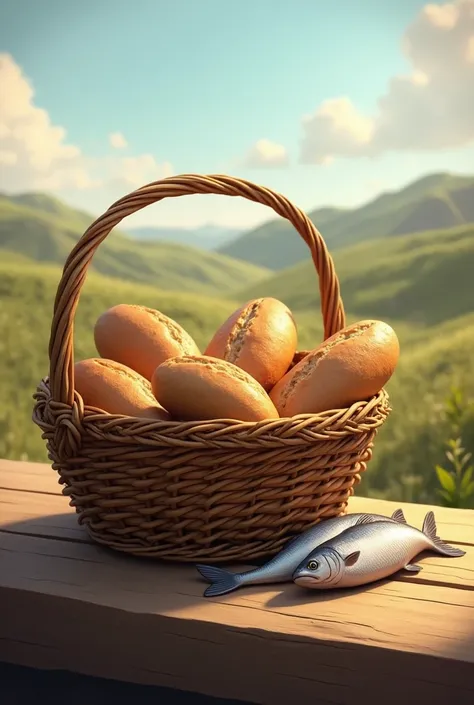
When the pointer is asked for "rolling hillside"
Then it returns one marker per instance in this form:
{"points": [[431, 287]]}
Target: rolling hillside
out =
{"points": [[434, 202], [45, 230], [409, 444], [421, 279]]}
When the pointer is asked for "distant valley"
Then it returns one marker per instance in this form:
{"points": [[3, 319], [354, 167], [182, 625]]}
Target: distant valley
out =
{"points": [[44, 229], [206, 237]]}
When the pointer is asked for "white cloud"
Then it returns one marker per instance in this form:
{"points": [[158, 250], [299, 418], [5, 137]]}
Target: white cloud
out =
{"points": [[34, 151], [443, 16], [7, 157], [337, 127], [432, 108], [266, 154], [117, 140], [36, 155], [470, 51], [128, 173]]}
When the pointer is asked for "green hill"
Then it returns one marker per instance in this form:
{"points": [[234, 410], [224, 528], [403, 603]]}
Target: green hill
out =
{"points": [[434, 202], [44, 229], [422, 279]]}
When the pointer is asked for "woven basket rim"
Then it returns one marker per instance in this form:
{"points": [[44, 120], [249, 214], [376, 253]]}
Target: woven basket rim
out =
{"points": [[93, 413]]}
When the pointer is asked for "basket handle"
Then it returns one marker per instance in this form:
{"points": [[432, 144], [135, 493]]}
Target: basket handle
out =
{"points": [[61, 354]]}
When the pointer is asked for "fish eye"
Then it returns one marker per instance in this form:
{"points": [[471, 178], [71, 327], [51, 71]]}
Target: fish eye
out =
{"points": [[313, 565]]}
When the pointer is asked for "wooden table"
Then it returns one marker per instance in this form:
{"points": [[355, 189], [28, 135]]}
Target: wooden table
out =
{"points": [[66, 603]]}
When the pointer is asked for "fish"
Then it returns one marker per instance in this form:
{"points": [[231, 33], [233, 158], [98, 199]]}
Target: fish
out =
{"points": [[365, 553], [280, 568]]}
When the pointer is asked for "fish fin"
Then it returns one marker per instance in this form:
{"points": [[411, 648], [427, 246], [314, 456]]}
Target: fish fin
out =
{"points": [[222, 581], [351, 558], [412, 568], [430, 530], [364, 519], [429, 526], [399, 516]]}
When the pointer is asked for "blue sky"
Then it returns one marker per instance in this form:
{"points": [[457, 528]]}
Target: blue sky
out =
{"points": [[150, 88]]}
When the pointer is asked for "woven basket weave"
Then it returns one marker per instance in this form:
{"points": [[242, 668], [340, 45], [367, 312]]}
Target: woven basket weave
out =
{"points": [[199, 491]]}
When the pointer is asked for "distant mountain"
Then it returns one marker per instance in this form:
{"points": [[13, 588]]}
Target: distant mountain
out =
{"points": [[206, 237], [44, 229], [434, 202]]}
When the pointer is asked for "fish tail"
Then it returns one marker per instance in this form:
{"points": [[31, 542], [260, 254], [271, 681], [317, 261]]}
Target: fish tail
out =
{"points": [[430, 530], [222, 581]]}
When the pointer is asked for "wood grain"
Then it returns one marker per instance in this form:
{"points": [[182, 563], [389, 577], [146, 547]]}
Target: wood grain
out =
{"points": [[38, 514], [159, 629], [49, 516], [29, 477], [68, 603]]}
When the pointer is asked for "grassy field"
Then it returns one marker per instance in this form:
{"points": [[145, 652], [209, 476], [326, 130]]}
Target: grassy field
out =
{"points": [[436, 201], [27, 291], [408, 446], [411, 442], [421, 279]]}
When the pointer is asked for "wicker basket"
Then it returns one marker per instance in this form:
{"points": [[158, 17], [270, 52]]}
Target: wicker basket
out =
{"points": [[199, 491]]}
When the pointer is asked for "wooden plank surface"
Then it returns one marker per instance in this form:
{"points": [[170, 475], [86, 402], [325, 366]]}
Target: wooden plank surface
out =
{"points": [[277, 635], [29, 477], [68, 603], [49, 516]]}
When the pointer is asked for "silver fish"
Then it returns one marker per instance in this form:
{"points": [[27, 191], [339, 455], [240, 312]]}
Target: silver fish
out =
{"points": [[280, 568], [367, 552]]}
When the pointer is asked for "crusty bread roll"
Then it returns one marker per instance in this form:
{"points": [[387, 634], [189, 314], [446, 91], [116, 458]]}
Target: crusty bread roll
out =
{"points": [[141, 338], [196, 388], [351, 366], [116, 389], [260, 338]]}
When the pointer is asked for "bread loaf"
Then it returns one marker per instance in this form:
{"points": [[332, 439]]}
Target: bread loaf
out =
{"points": [[195, 388], [116, 389], [351, 366], [260, 338], [141, 338]]}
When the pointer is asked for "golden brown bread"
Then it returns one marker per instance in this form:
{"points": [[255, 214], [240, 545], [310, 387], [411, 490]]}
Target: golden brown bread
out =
{"points": [[351, 366], [260, 338], [141, 338], [194, 388], [116, 389]]}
